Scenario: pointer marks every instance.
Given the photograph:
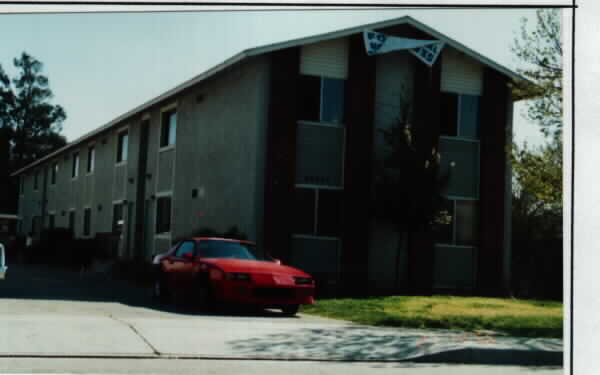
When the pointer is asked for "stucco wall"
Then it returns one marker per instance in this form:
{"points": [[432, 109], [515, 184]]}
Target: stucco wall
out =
{"points": [[221, 153]]}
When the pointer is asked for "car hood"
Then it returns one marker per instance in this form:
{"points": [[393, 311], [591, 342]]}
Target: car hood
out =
{"points": [[254, 266]]}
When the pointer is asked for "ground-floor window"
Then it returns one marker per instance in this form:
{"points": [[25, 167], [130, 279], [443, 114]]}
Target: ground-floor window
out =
{"points": [[87, 219], [318, 211], [72, 221], [51, 221], [163, 215], [117, 221], [458, 223]]}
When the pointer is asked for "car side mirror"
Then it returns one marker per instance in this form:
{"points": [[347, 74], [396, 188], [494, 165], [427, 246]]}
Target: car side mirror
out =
{"points": [[188, 256]]}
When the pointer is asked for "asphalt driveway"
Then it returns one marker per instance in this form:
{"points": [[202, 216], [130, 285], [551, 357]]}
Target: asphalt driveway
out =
{"points": [[56, 313]]}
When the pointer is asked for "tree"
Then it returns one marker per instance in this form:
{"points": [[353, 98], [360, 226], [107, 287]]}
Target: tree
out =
{"points": [[408, 192], [541, 51], [537, 179], [29, 121], [29, 125]]}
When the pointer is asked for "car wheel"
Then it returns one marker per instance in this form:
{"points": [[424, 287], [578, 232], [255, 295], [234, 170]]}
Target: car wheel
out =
{"points": [[290, 310], [160, 292]]}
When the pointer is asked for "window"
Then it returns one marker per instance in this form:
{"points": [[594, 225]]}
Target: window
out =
{"points": [[22, 186], [51, 221], [75, 165], [87, 219], [90, 159], [53, 173], [117, 223], [186, 247], [163, 215], [72, 222], [321, 99], [35, 180], [168, 128], [123, 143], [458, 223], [318, 212], [460, 115]]}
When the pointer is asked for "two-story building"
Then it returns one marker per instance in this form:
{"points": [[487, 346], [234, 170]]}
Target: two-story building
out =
{"points": [[282, 141]]}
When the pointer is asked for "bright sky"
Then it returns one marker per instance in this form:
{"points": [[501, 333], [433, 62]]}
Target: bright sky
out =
{"points": [[101, 65]]}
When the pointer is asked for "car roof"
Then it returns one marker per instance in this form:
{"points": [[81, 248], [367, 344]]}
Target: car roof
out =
{"points": [[222, 239]]}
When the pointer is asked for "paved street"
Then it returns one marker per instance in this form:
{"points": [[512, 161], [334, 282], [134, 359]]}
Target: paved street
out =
{"points": [[55, 316]]}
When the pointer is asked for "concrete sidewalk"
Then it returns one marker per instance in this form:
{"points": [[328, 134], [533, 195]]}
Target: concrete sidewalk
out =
{"points": [[68, 317], [303, 338]]}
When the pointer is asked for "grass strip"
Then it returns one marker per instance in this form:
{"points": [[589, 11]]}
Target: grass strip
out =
{"points": [[514, 317]]}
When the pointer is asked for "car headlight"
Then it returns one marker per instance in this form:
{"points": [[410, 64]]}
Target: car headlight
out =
{"points": [[303, 280], [240, 276]]}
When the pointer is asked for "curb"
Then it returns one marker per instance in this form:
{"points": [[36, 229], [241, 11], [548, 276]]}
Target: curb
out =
{"points": [[464, 356], [494, 357]]}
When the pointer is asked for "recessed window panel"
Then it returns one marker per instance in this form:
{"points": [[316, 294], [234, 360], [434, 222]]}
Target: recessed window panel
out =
{"points": [[319, 155], [460, 159]]}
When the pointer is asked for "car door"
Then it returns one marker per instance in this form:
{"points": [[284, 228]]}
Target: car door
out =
{"points": [[183, 265]]}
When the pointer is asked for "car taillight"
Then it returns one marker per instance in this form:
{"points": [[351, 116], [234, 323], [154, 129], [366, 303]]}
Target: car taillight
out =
{"points": [[215, 274], [303, 280]]}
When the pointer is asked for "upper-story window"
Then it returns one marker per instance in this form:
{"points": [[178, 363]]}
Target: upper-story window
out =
{"points": [[75, 165], [91, 159], [168, 128], [122, 146], [53, 173], [460, 115], [321, 99]]}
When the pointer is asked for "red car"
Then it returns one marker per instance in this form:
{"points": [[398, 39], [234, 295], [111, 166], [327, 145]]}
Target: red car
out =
{"points": [[215, 270]]}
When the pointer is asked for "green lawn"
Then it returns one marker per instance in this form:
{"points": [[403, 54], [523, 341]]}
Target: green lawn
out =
{"points": [[529, 318]]}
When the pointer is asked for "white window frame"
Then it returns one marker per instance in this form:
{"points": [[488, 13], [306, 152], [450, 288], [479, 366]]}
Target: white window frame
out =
{"points": [[93, 168], [164, 235], [83, 235], [75, 158], [72, 209], [168, 108], [54, 168], [125, 154]]}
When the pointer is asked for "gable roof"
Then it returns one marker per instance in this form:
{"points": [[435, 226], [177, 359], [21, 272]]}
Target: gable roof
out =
{"points": [[407, 20]]}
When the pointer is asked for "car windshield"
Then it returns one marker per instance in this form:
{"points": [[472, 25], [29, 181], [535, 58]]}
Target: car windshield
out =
{"points": [[226, 249]]}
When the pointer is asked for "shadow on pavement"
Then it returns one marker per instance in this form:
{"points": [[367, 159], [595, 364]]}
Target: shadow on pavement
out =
{"points": [[49, 283]]}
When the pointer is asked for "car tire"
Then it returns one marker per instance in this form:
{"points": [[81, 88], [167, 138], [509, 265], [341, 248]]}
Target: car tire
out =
{"points": [[159, 290], [290, 310]]}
